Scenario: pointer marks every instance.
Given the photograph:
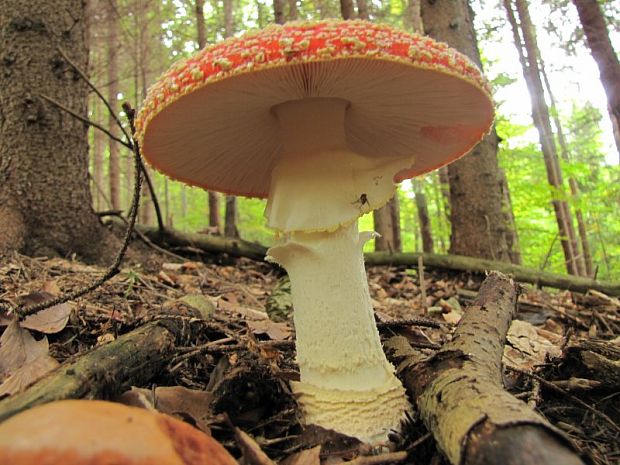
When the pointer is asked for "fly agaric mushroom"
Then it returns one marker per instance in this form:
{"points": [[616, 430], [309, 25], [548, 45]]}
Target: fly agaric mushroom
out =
{"points": [[90, 432], [321, 119]]}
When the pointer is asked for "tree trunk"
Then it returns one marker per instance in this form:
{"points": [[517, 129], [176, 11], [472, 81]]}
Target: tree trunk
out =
{"points": [[584, 261], [525, 42], [362, 9], [512, 235], [595, 30], [346, 9], [45, 201], [114, 175], [292, 10], [395, 213], [278, 11], [423, 218], [98, 149], [230, 227], [478, 224], [214, 197], [413, 17]]}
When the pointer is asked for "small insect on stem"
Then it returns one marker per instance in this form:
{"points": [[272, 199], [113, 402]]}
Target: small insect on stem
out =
{"points": [[363, 200]]}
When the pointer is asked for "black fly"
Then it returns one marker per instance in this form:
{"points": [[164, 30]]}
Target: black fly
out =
{"points": [[363, 200]]}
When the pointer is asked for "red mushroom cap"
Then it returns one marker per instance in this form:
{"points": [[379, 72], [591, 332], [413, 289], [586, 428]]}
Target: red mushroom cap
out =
{"points": [[89, 432], [208, 120]]}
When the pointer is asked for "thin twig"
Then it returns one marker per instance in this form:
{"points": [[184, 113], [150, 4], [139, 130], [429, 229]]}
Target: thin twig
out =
{"points": [[379, 459], [422, 283], [425, 322], [86, 120], [156, 207], [558, 389]]}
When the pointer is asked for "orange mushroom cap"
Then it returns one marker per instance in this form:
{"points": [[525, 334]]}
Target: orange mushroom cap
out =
{"points": [[208, 120], [89, 432]]}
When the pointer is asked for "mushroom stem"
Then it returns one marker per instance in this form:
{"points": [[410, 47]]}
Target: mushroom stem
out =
{"points": [[318, 190], [347, 384]]}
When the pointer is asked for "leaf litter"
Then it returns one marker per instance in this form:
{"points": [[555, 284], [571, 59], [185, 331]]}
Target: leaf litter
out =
{"points": [[233, 378]]}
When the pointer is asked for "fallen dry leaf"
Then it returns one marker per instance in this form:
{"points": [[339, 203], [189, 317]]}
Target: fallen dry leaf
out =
{"points": [[50, 320], [23, 359], [275, 331], [252, 453], [246, 312], [28, 374], [187, 404], [305, 457], [528, 346]]}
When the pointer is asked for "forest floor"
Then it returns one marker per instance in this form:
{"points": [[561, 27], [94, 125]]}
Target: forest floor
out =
{"points": [[236, 368]]}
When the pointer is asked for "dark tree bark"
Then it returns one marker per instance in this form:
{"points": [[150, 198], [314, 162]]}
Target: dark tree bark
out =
{"points": [[478, 224], [346, 9], [45, 201], [423, 218], [362, 9], [230, 224], [278, 11], [525, 42], [413, 17], [292, 10], [512, 236], [214, 197], [595, 30], [114, 175]]}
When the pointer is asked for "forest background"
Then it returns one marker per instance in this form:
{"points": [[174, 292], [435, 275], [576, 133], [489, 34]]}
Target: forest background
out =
{"points": [[133, 41]]}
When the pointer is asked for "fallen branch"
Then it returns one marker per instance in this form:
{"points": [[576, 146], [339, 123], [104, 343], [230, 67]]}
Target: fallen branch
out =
{"points": [[520, 273], [241, 248], [205, 242], [460, 395], [106, 371]]}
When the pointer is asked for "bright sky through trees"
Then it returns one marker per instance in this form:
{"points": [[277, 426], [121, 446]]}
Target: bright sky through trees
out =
{"points": [[575, 79]]}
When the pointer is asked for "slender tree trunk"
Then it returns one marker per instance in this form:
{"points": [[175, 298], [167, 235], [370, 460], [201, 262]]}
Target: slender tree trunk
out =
{"points": [[230, 228], [525, 42], [362, 9], [423, 217], [278, 11], [512, 236], [595, 30], [346, 9], [384, 226], [214, 197], [413, 17], [292, 10], [167, 204], [585, 258], [45, 201], [395, 212], [114, 175], [442, 213], [478, 224], [98, 149]]}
